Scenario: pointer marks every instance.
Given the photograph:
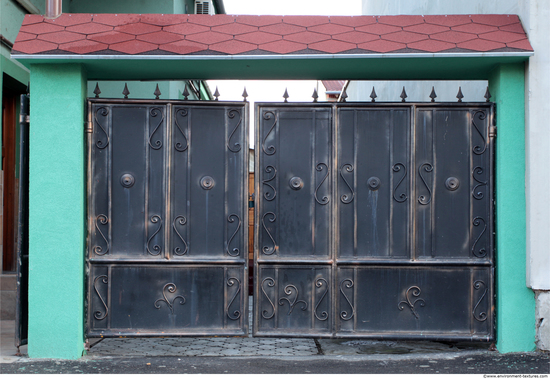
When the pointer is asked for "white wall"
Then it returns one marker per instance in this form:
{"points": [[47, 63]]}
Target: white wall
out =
{"points": [[535, 16]]}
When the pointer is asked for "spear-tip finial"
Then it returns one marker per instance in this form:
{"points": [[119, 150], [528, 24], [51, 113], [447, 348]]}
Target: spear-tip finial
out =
{"points": [[185, 93], [487, 95], [157, 92], [244, 95], [285, 95], [373, 95], [216, 94], [403, 95], [315, 95], [97, 91], [459, 95], [433, 95], [125, 92]]}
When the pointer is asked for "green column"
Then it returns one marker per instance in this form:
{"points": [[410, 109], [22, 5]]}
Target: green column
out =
{"points": [[57, 201], [515, 303]]}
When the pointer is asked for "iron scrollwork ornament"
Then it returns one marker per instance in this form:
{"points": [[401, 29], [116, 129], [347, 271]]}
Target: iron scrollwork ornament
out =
{"points": [[269, 250], [396, 168], [103, 220], [235, 252], [269, 196], [478, 150], [477, 194], [325, 199], [289, 290], [155, 113], [104, 112], [347, 283], [422, 199], [345, 198], [156, 248], [481, 316], [180, 220], [236, 314], [270, 283], [178, 145], [269, 150], [98, 315], [415, 290], [171, 288], [237, 146], [324, 314], [482, 252]]}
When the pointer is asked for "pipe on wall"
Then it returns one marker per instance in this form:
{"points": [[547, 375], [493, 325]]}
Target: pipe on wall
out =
{"points": [[28, 6], [53, 8]]}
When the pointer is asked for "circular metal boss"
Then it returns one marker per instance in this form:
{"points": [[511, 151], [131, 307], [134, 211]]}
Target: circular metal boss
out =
{"points": [[127, 180], [452, 183], [296, 183], [207, 182], [374, 183]]}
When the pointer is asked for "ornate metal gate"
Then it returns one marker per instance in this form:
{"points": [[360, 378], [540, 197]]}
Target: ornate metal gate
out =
{"points": [[374, 220], [167, 218]]}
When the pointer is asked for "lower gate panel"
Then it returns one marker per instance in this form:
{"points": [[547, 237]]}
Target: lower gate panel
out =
{"points": [[167, 300], [446, 303], [293, 301]]}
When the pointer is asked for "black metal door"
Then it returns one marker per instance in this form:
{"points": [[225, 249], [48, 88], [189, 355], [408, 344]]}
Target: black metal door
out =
{"points": [[374, 221], [167, 246]]}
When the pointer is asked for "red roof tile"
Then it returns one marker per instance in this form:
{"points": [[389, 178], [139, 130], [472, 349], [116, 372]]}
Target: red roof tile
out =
{"points": [[233, 47], [61, 37], [250, 35], [333, 85], [307, 37], [258, 37], [133, 47], [401, 20], [83, 47], [111, 37]]}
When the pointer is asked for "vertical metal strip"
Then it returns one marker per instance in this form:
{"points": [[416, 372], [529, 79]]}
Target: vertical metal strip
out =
{"points": [[258, 204], [147, 175], [471, 162], [355, 306], [471, 296], [432, 184], [244, 201], [411, 157], [356, 200], [278, 186], [109, 129], [225, 310], [109, 297], [313, 163], [188, 199], [334, 221], [392, 205], [276, 289], [225, 180], [312, 299], [167, 182]]}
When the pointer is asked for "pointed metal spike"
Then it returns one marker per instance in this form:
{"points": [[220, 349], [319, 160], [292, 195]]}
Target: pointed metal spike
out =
{"points": [[403, 95], [433, 95], [125, 92], [344, 95], [245, 94], [157, 92], [185, 93], [487, 95], [373, 95], [97, 91], [459, 95], [285, 95], [315, 95]]}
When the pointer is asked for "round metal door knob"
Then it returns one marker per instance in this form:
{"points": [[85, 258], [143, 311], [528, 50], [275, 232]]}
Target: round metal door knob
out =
{"points": [[452, 183], [373, 183], [127, 180], [296, 183], [207, 182]]}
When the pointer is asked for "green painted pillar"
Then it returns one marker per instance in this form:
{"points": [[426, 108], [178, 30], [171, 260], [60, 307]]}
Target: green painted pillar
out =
{"points": [[515, 303], [57, 198]]}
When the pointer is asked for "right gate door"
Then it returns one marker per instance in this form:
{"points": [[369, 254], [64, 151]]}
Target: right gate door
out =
{"points": [[374, 220]]}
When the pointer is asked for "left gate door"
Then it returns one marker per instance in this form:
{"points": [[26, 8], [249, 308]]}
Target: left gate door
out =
{"points": [[167, 217]]}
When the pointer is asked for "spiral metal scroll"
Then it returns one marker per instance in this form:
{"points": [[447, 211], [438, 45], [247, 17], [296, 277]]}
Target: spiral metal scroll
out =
{"points": [[325, 199], [268, 115], [268, 195], [156, 248], [481, 253], [478, 150], [396, 168], [268, 250], [171, 288], [236, 314], [103, 220], [348, 283], [154, 113], [98, 315], [324, 314], [289, 290], [265, 312], [237, 146], [181, 220], [423, 199], [481, 316], [478, 195], [235, 250], [345, 198], [104, 112], [411, 304], [178, 145]]}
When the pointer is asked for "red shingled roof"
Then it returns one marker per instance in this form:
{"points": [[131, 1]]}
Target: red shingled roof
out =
{"points": [[156, 34]]}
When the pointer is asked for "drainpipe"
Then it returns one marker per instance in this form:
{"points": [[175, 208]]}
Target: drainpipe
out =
{"points": [[28, 6], [53, 8]]}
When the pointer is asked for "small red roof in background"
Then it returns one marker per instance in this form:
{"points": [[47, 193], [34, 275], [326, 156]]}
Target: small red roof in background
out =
{"points": [[333, 85], [156, 34]]}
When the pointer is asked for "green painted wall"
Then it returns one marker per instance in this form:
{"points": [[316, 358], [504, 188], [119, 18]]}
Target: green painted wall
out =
{"points": [[122, 6], [515, 303], [57, 199]]}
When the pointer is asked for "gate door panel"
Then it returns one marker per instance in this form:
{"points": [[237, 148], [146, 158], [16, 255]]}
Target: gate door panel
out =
{"points": [[408, 217], [167, 209]]}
